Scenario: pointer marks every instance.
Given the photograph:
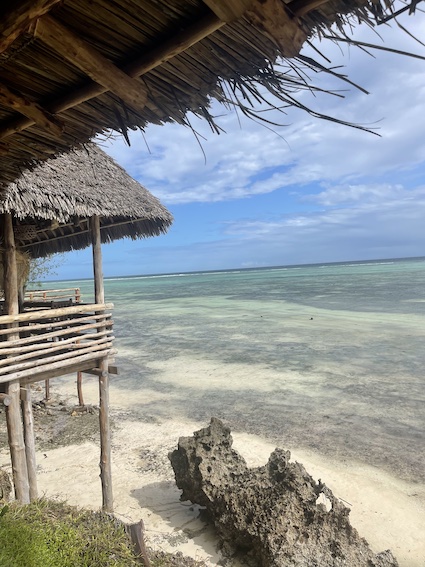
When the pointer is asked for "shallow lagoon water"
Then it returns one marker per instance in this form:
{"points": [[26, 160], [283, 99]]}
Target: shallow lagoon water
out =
{"points": [[328, 358]]}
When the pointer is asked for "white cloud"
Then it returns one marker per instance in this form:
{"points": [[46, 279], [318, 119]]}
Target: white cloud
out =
{"points": [[370, 190]]}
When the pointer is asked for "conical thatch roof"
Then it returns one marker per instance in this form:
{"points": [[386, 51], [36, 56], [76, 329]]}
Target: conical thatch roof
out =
{"points": [[51, 204]]}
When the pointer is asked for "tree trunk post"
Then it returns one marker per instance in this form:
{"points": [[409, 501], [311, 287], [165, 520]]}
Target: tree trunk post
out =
{"points": [[29, 441], [13, 410], [105, 430]]}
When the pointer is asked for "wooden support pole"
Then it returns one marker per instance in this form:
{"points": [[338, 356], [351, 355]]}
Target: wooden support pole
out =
{"points": [[29, 441], [80, 53], [99, 291], [105, 428], [13, 410], [105, 438]]}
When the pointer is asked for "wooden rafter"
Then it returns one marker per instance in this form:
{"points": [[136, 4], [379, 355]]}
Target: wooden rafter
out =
{"points": [[23, 105], [18, 19], [300, 8], [143, 64], [273, 18], [229, 10], [76, 50]]}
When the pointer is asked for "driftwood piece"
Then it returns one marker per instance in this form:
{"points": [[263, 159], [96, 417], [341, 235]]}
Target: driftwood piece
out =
{"points": [[136, 532], [273, 513]]}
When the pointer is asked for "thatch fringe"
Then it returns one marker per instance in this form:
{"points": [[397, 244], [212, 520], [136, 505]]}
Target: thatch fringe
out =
{"points": [[238, 55]]}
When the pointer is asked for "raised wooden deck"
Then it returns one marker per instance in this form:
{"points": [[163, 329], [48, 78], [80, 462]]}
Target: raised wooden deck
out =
{"points": [[44, 343]]}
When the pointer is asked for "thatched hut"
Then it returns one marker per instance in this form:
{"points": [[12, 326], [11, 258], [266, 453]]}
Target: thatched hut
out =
{"points": [[70, 202], [52, 205], [70, 69]]}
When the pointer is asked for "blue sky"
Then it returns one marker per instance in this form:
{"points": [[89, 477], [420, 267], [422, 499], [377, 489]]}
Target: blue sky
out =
{"points": [[310, 191]]}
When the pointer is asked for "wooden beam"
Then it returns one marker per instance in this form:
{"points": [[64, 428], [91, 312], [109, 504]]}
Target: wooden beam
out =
{"points": [[5, 399], [140, 66], [23, 105], [98, 372], [81, 54], [228, 10], [300, 8], [19, 18], [273, 19]]}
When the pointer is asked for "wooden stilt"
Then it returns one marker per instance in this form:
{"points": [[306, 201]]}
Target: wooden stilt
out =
{"points": [[16, 443], [80, 388], [46, 390], [105, 438], [13, 410], [29, 441], [105, 430]]}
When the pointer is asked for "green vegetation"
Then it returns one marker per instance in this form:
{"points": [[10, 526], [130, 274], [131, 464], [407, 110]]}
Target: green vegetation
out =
{"points": [[53, 534]]}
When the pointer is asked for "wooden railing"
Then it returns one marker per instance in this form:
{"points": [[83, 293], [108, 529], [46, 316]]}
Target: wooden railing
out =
{"points": [[51, 342], [70, 293]]}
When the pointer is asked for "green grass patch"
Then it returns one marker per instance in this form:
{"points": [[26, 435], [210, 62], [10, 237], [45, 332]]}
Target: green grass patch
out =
{"points": [[47, 533]]}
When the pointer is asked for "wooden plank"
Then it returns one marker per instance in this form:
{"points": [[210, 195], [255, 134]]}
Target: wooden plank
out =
{"points": [[97, 371], [19, 17], [105, 438], [228, 10], [101, 70], [58, 368], [33, 364], [19, 344], [53, 313], [23, 105], [45, 349], [71, 368], [104, 318]]}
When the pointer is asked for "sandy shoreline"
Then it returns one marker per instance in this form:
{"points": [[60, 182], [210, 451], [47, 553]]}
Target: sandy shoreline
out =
{"points": [[388, 512]]}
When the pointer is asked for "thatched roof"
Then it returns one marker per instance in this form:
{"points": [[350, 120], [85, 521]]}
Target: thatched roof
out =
{"points": [[52, 203], [70, 68]]}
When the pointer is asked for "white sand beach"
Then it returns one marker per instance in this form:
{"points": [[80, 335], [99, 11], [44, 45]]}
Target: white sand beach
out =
{"points": [[388, 512]]}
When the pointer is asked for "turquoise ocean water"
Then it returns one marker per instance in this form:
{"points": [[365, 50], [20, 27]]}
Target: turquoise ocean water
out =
{"points": [[324, 357]]}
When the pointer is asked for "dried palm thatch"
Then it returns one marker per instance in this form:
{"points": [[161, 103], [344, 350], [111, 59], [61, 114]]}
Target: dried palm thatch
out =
{"points": [[174, 56], [53, 203]]}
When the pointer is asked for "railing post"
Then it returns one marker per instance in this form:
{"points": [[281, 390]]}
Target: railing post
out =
{"points": [[13, 410], [29, 441], [105, 430], [105, 437]]}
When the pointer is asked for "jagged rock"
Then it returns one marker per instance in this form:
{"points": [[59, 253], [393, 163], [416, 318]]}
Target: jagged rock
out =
{"points": [[5, 485], [270, 513]]}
